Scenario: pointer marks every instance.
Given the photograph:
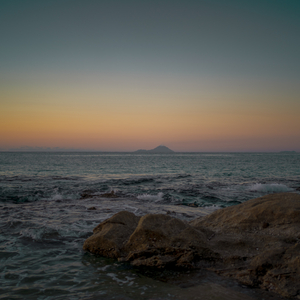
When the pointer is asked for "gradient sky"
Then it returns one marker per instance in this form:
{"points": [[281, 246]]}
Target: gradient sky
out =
{"points": [[205, 75]]}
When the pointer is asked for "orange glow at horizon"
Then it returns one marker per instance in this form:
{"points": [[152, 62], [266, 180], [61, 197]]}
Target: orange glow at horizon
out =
{"points": [[128, 118], [103, 130]]}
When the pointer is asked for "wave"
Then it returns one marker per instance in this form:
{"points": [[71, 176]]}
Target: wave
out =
{"points": [[56, 196], [154, 198], [269, 188]]}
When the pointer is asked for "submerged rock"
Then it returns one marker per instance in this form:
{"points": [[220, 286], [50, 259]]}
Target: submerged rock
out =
{"points": [[88, 194], [92, 208], [109, 195], [257, 242]]}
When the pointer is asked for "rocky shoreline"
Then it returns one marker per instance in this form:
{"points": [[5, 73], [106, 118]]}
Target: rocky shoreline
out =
{"points": [[256, 243]]}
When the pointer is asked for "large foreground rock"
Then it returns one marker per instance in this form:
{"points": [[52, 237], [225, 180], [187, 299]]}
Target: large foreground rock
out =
{"points": [[259, 242], [256, 242], [152, 240]]}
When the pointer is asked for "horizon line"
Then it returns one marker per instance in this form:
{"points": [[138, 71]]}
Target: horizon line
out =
{"points": [[134, 151]]}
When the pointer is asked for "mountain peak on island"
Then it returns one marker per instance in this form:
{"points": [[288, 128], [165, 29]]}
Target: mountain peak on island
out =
{"points": [[159, 149]]}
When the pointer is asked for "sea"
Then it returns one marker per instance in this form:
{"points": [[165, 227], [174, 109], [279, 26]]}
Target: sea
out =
{"points": [[51, 201]]}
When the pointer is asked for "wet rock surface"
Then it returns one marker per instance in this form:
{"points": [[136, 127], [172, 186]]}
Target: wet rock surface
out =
{"points": [[256, 243]]}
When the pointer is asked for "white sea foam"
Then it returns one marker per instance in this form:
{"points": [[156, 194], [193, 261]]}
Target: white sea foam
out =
{"points": [[148, 197], [135, 209], [269, 188], [56, 196], [125, 280], [103, 268]]}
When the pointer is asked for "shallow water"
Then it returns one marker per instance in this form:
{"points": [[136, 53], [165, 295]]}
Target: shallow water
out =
{"points": [[43, 221]]}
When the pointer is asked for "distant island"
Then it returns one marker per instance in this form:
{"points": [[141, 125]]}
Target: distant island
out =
{"points": [[159, 149]]}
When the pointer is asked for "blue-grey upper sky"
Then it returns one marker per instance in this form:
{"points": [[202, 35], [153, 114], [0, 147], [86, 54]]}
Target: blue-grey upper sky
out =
{"points": [[258, 38]]}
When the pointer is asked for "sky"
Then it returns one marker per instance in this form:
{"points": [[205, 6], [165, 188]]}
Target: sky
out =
{"points": [[205, 75]]}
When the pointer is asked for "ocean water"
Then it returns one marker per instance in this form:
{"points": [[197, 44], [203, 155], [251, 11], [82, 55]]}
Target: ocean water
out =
{"points": [[45, 217]]}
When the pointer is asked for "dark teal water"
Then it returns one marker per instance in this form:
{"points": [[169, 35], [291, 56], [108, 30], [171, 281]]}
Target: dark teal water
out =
{"points": [[206, 179], [44, 221]]}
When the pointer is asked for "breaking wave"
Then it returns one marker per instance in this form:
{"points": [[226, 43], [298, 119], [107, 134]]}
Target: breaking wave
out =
{"points": [[154, 198], [269, 188]]}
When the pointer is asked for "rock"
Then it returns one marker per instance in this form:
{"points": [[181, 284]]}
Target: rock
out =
{"points": [[161, 240], [86, 194], [193, 204], [110, 235], [257, 242], [279, 213], [92, 208], [153, 240], [260, 241], [109, 195]]}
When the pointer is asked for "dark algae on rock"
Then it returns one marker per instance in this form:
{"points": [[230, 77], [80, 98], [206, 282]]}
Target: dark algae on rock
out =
{"points": [[256, 243]]}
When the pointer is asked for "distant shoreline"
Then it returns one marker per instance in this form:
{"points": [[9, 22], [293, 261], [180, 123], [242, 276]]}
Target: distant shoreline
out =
{"points": [[136, 152]]}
